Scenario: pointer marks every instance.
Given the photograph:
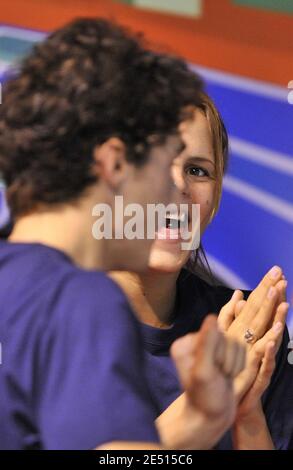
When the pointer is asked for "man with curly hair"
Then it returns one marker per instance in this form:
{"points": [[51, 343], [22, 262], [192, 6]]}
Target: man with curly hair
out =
{"points": [[90, 114]]}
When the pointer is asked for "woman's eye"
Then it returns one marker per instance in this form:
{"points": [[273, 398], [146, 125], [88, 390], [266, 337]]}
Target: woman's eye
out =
{"points": [[197, 171]]}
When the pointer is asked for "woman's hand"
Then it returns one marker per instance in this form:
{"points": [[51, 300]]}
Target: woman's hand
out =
{"points": [[258, 313], [263, 315], [251, 384], [250, 430], [251, 402], [205, 363], [267, 326]]}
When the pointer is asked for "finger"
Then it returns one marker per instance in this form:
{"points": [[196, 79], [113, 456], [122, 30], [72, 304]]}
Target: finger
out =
{"points": [[270, 279], [227, 313], [244, 381], [257, 374], [268, 360], [256, 298], [275, 333], [280, 317], [264, 317], [266, 371], [281, 287], [239, 307], [281, 313]]}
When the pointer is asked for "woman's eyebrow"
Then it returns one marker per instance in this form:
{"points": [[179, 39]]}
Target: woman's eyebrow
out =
{"points": [[201, 159]]}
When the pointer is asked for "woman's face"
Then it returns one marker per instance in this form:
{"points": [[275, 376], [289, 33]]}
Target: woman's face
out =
{"points": [[195, 178]]}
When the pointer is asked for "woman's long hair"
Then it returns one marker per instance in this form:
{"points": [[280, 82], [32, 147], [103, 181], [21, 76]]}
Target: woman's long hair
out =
{"points": [[198, 263]]}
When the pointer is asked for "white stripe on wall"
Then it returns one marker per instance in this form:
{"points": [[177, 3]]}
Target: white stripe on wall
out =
{"points": [[21, 33], [250, 85], [269, 158], [258, 197], [224, 273]]}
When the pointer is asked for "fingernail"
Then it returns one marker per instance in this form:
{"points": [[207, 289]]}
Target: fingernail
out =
{"points": [[275, 272], [271, 292], [278, 327], [234, 294], [285, 284]]}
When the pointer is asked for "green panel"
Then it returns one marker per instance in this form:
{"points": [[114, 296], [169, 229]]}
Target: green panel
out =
{"points": [[179, 7], [276, 5]]}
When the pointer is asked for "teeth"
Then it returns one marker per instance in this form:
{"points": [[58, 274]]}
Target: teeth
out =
{"points": [[173, 217], [174, 221], [181, 218]]}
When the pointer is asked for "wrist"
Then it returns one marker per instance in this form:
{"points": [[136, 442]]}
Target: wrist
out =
{"points": [[202, 431], [251, 432], [179, 427], [182, 426], [254, 417]]}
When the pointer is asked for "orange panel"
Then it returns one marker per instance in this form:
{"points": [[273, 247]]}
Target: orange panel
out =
{"points": [[229, 37]]}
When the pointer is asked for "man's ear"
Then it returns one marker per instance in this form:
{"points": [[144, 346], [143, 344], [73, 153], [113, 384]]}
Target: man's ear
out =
{"points": [[110, 162]]}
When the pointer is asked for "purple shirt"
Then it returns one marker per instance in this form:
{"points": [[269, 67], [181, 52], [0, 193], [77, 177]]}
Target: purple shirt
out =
{"points": [[194, 300], [72, 372]]}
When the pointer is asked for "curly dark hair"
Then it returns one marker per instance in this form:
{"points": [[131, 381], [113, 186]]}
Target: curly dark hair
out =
{"points": [[86, 82]]}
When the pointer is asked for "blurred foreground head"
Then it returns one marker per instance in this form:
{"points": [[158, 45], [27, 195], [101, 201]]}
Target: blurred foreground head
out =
{"points": [[86, 83]]}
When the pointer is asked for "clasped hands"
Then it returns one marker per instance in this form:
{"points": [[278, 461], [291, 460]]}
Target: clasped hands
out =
{"points": [[226, 366]]}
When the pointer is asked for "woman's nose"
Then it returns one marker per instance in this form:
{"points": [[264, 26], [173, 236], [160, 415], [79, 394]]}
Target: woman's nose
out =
{"points": [[178, 179], [180, 193]]}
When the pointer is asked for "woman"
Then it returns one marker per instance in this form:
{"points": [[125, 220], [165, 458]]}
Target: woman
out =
{"points": [[172, 300]]}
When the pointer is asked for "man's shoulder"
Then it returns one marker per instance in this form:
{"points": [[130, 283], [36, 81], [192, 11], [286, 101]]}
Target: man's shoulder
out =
{"points": [[92, 288], [47, 287]]}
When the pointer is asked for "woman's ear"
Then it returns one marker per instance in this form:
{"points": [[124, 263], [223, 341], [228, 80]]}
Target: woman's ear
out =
{"points": [[110, 162]]}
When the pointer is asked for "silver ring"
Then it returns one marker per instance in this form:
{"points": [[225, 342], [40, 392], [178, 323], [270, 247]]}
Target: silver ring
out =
{"points": [[249, 336]]}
